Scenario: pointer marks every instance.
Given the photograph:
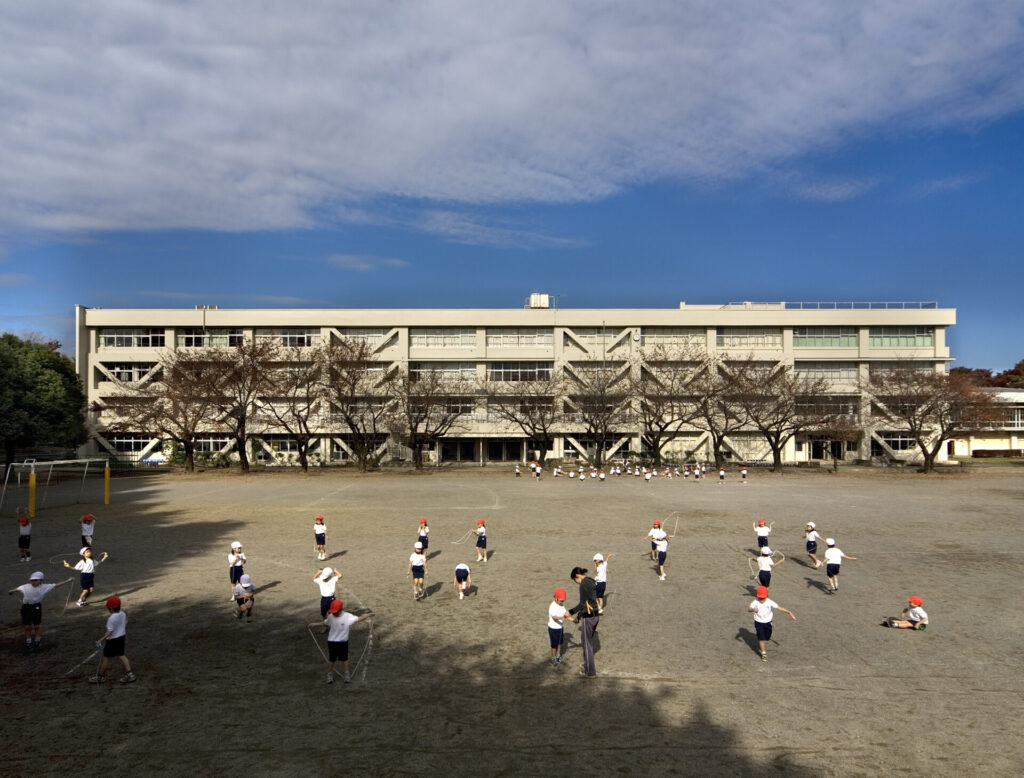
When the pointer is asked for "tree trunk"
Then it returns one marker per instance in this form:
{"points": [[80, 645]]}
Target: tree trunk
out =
{"points": [[776, 458], [303, 457], [243, 452], [417, 454], [190, 455]]}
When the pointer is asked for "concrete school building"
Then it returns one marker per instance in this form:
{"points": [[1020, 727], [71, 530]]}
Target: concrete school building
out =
{"points": [[841, 342]]}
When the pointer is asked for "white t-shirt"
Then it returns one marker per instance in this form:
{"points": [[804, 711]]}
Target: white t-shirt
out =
{"points": [[417, 560], [763, 610], [424, 530], [916, 613], [601, 572], [86, 565], [327, 587], [236, 560], [24, 529], [34, 594], [87, 528], [765, 562], [462, 566], [338, 626], [833, 556], [813, 536], [763, 532], [653, 534], [116, 624], [481, 530], [242, 591], [556, 611], [319, 529]]}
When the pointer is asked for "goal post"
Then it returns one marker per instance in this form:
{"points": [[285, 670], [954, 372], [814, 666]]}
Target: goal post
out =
{"points": [[32, 484]]}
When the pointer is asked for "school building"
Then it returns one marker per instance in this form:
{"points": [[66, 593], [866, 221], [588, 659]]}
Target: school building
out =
{"points": [[842, 342]]}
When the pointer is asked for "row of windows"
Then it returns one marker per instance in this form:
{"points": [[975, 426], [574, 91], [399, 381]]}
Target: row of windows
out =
{"points": [[830, 371], [129, 372], [455, 337]]}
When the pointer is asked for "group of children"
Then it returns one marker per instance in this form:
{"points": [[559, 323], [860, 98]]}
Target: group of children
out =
{"points": [[113, 640], [699, 470]]}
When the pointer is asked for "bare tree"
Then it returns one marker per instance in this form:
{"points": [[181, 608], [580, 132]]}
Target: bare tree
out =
{"points": [[242, 377], [598, 393], [294, 397], [428, 405], [717, 408], [659, 393], [931, 407], [779, 402], [174, 402], [355, 385], [532, 404]]}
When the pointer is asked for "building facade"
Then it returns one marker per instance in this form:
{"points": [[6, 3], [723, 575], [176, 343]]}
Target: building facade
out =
{"points": [[841, 342]]}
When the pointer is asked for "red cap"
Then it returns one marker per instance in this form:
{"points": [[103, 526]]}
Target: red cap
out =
{"points": [[657, 522], [762, 591], [114, 602], [915, 600], [23, 520], [479, 521], [423, 521], [760, 521], [559, 594], [88, 517], [336, 606], [319, 518]]}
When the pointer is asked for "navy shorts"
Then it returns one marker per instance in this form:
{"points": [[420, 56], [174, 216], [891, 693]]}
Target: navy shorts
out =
{"points": [[764, 578], [461, 575], [661, 557], [654, 546], [831, 570], [417, 571], [812, 546], [764, 631], [32, 615], [24, 541], [87, 540], [423, 539], [235, 573], [600, 587], [481, 542], [320, 539], [114, 647], [325, 604], [555, 636], [762, 541], [337, 651], [86, 580]]}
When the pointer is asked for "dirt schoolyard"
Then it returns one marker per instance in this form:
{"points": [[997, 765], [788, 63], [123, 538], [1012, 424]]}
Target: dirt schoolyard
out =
{"points": [[443, 686]]}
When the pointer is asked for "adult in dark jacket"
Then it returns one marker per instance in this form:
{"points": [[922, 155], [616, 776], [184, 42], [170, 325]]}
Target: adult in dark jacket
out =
{"points": [[585, 613]]}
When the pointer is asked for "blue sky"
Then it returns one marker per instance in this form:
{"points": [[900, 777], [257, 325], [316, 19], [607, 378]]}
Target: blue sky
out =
{"points": [[443, 154]]}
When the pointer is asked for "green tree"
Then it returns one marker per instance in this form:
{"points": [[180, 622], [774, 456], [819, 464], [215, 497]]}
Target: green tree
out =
{"points": [[41, 398]]}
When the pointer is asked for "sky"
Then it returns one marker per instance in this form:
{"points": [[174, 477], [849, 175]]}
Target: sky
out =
{"points": [[440, 154]]}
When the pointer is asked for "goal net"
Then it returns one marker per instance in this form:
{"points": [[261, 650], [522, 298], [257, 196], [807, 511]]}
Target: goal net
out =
{"points": [[57, 483]]}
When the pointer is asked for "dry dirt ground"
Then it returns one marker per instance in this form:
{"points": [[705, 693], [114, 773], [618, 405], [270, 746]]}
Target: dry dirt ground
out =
{"points": [[449, 687]]}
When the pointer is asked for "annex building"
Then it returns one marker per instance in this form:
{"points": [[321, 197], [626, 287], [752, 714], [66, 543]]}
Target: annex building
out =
{"points": [[842, 342]]}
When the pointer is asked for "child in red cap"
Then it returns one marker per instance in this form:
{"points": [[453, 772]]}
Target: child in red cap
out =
{"points": [[112, 643], [24, 539], [913, 616], [763, 531], [763, 610], [320, 537], [481, 540], [557, 614], [654, 546], [88, 528], [423, 534], [338, 623]]}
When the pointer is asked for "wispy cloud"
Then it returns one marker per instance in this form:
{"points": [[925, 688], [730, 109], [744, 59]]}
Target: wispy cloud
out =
{"points": [[153, 115], [8, 280], [463, 228], [936, 186], [364, 263], [833, 190]]}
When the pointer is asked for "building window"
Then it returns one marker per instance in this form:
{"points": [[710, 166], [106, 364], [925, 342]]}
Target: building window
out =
{"points": [[199, 337], [519, 371], [210, 444], [898, 441], [128, 442], [371, 336], [281, 443], [749, 337], [840, 372], [673, 336], [519, 337], [442, 337], [460, 405], [901, 337], [291, 337], [1015, 417], [824, 337], [595, 336], [129, 372], [447, 371], [132, 337]]}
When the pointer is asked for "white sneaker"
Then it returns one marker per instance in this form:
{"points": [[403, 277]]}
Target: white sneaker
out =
{"points": [[347, 677], [460, 595], [817, 565], [330, 678], [661, 578]]}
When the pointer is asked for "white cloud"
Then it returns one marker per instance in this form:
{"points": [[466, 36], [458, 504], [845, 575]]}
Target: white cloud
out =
{"points": [[136, 114], [364, 262], [935, 186], [832, 189]]}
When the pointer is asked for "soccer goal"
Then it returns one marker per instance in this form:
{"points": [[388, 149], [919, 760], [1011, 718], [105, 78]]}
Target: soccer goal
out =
{"points": [[30, 485]]}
